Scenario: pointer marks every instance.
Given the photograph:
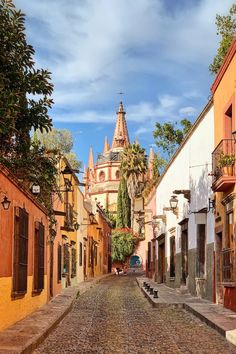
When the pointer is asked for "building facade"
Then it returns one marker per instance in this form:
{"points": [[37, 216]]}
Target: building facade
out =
{"points": [[224, 179], [24, 252], [183, 246]]}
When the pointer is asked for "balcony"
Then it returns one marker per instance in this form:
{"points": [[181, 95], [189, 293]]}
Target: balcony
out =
{"points": [[227, 255], [223, 175]]}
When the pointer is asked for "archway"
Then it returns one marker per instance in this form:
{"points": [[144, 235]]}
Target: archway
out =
{"points": [[135, 261]]}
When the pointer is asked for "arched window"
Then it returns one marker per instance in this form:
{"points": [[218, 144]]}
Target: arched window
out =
{"points": [[102, 176], [117, 174]]}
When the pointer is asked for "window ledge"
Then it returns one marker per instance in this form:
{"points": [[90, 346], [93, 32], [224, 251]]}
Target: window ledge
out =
{"points": [[18, 295], [36, 292], [229, 284]]}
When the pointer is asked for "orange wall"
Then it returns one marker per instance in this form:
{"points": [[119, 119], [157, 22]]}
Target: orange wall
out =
{"points": [[18, 199], [12, 310], [224, 94]]}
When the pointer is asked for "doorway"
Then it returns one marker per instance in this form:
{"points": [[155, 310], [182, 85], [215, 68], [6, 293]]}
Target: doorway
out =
{"points": [[184, 254], [161, 259], [218, 265]]}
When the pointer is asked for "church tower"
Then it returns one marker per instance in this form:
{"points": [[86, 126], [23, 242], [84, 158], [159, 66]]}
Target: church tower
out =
{"points": [[103, 178], [121, 136]]}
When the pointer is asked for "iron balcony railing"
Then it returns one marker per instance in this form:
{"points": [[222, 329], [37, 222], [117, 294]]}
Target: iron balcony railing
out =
{"points": [[227, 255], [225, 147]]}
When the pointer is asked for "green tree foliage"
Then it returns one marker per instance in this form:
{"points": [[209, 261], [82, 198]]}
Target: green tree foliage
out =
{"points": [[24, 102], [133, 165], [226, 29], [123, 244], [24, 90], [168, 136], [158, 165], [112, 219], [123, 206], [59, 141]]}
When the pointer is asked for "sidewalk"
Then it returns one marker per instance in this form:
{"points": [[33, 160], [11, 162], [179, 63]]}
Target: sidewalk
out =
{"points": [[24, 336], [216, 316]]}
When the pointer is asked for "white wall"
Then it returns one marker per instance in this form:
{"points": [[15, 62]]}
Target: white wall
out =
{"points": [[189, 170]]}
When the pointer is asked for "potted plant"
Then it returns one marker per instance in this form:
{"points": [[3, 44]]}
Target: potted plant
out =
{"points": [[225, 163]]}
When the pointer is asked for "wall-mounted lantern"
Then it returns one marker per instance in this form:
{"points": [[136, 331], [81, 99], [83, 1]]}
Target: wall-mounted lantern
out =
{"points": [[35, 189], [76, 226], [6, 203], [173, 202]]}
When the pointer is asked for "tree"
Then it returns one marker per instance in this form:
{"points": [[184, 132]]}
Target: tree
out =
{"points": [[59, 141], [158, 165], [123, 205], [24, 102], [133, 167], [226, 28], [168, 136], [123, 244], [24, 90]]}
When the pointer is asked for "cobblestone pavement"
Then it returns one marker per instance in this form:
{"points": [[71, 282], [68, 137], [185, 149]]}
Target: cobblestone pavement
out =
{"points": [[114, 317]]}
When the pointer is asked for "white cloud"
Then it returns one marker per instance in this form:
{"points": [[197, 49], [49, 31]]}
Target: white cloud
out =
{"points": [[94, 47], [188, 111]]}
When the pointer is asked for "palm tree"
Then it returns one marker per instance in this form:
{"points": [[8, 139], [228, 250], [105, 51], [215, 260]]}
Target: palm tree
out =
{"points": [[133, 167]]}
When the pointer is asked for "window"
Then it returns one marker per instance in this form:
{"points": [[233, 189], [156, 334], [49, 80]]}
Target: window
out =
{"points": [[172, 256], [117, 174], [69, 218], [66, 259], [20, 251], [229, 230], [80, 253], [201, 250], [59, 263], [73, 262], [228, 123], [102, 176], [95, 255], [39, 257]]}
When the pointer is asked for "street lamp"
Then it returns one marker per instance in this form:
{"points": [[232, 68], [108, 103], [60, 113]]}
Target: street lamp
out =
{"points": [[173, 202], [76, 226], [6, 203]]}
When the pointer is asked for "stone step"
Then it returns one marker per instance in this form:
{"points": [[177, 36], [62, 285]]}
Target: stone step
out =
{"points": [[183, 289]]}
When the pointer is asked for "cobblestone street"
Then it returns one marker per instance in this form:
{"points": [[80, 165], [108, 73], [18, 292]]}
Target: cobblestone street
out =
{"points": [[114, 317]]}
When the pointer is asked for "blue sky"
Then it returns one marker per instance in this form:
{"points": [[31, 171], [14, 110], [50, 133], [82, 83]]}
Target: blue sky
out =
{"points": [[156, 51]]}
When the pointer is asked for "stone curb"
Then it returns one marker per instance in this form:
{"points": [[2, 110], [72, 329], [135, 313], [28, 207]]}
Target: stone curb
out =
{"points": [[25, 336], [230, 335]]}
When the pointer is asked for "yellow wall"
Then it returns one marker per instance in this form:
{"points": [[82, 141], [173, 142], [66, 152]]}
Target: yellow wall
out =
{"points": [[11, 310]]}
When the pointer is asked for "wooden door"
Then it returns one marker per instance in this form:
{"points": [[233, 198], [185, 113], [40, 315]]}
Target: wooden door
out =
{"points": [[162, 262], [51, 269], [218, 264], [184, 253]]}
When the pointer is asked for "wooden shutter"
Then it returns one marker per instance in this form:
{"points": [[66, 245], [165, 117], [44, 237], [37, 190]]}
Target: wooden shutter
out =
{"points": [[73, 262], [20, 251], [59, 263], [80, 253], [41, 257]]}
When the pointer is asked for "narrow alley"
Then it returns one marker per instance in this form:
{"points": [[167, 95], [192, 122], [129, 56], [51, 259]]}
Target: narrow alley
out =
{"points": [[114, 317]]}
